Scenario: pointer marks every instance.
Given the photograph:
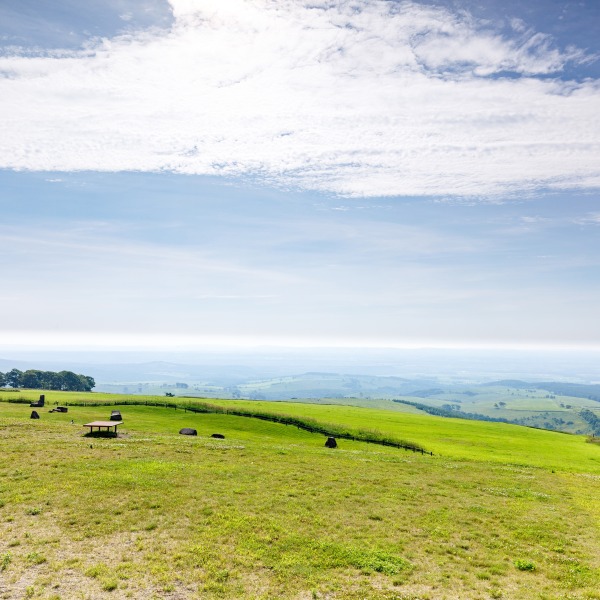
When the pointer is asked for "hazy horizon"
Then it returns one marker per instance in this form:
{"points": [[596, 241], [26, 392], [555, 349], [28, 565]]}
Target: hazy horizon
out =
{"points": [[434, 364]]}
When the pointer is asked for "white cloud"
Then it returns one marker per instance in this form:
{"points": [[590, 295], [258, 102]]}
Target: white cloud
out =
{"points": [[359, 98], [589, 219]]}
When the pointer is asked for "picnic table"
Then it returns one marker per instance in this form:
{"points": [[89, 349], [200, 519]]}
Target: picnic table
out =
{"points": [[100, 425]]}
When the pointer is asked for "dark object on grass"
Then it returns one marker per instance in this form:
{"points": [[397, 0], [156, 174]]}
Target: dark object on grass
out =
{"points": [[219, 436], [188, 431], [115, 415], [61, 409], [330, 443], [38, 403], [34, 415]]}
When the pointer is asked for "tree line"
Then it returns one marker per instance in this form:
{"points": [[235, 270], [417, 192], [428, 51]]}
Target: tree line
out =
{"points": [[451, 410], [65, 381]]}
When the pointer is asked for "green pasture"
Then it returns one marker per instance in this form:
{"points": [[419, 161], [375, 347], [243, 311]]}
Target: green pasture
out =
{"points": [[268, 512], [456, 438]]}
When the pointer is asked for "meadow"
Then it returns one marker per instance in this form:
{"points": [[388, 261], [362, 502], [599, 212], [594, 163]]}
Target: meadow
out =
{"points": [[546, 406], [498, 511]]}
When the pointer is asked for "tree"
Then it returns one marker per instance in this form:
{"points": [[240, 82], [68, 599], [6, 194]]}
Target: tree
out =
{"points": [[31, 379], [2, 379], [45, 379], [87, 383], [71, 382], [13, 378]]}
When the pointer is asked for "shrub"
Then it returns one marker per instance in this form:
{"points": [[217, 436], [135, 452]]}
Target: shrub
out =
{"points": [[5, 561], [35, 559], [109, 585], [524, 565]]}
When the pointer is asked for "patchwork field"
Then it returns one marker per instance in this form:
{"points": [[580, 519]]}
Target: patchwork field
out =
{"points": [[498, 511]]}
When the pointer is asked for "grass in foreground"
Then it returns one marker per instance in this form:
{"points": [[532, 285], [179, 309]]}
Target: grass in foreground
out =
{"points": [[270, 513]]}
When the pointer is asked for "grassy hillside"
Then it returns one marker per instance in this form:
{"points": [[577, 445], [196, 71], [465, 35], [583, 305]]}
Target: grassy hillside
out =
{"points": [[547, 405], [499, 511]]}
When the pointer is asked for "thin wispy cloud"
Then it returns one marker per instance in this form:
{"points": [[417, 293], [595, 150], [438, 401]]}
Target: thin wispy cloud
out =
{"points": [[589, 219], [78, 245], [257, 269], [360, 98]]}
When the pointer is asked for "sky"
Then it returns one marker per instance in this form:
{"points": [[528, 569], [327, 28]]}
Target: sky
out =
{"points": [[198, 173]]}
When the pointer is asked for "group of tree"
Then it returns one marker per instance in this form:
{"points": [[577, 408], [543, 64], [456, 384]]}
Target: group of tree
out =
{"points": [[453, 411], [592, 419], [66, 381]]}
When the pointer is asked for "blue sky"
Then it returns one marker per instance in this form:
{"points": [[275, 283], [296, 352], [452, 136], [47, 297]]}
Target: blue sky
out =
{"points": [[289, 173]]}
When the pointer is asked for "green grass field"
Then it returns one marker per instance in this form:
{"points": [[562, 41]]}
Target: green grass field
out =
{"points": [[499, 511], [528, 405]]}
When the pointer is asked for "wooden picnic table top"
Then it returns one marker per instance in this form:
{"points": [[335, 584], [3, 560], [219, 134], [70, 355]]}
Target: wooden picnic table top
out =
{"points": [[103, 424]]}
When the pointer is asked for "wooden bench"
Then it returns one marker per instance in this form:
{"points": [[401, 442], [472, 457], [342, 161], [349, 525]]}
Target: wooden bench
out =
{"points": [[107, 425]]}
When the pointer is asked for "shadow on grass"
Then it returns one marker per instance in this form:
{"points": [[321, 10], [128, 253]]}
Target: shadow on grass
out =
{"points": [[103, 434]]}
